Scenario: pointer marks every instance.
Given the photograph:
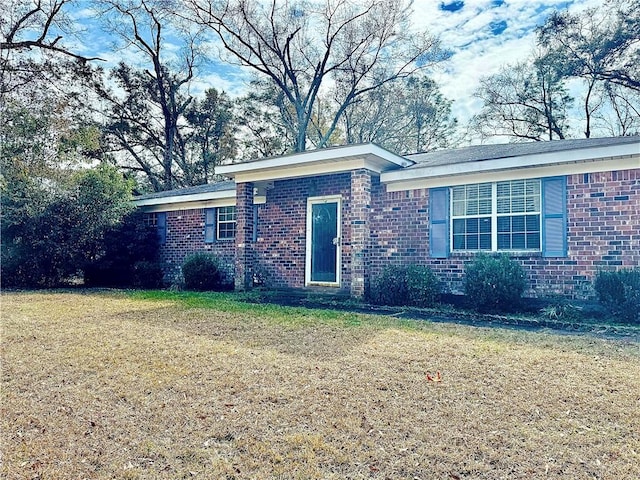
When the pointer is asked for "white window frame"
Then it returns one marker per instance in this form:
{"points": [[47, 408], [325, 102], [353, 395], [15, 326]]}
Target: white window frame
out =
{"points": [[494, 215], [225, 222], [150, 219]]}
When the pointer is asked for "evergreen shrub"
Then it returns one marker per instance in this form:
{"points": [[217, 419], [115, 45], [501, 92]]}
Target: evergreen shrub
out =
{"points": [[202, 272], [128, 258], [619, 292], [412, 285], [147, 274], [494, 283]]}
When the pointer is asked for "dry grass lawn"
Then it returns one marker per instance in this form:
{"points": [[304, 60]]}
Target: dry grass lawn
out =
{"points": [[102, 385]]}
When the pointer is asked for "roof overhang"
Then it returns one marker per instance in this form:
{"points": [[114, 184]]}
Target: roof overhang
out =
{"points": [[197, 197], [593, 159], [316, 162]]}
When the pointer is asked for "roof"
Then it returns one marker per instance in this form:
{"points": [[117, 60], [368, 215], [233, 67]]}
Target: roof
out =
{"points": [[334, 151], [412, 171], [482, 163], [206, 188], [322, 161], [478, 153]]}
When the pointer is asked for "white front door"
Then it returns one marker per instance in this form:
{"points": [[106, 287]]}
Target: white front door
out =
{"points": [[323, 241]]}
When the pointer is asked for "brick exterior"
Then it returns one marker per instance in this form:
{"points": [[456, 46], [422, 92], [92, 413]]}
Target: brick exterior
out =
{"points": [[603, 211], [185, 235], [280, 249], [360, 226], [244, 236], [380, 228]]}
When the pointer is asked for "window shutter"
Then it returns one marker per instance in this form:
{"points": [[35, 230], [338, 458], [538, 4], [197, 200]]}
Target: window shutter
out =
{"points": [[210, 225], [554, 217], [439, 222], [255, 224], [161, 225]]}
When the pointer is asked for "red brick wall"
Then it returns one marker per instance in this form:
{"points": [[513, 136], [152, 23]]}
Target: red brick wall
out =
{"points": [[185, 235], [281, 244], [603, 233], [244, 236], [603, 224], [359, 222]]}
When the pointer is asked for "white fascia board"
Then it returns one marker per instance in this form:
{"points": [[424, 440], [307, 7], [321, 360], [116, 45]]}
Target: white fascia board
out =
{"points": [[524, 161], [186, 198], [221, 202], [373, 155], [594, 166]]}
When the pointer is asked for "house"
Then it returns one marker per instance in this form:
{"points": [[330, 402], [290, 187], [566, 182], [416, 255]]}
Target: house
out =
{"points": [[333, 218]]}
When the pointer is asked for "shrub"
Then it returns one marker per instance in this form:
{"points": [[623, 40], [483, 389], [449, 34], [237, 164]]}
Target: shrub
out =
{"points": [[423, 286], [560, 308], [494, 283], [201, 271], [125, 245], [412, 285], [52, 230], [147, 274], [619, 291]]}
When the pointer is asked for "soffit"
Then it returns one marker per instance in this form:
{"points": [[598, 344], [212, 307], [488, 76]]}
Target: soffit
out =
{"points": [[316, 162], [578, 160]]}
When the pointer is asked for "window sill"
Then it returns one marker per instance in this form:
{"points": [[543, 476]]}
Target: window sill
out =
{"points": [[511, 253]]}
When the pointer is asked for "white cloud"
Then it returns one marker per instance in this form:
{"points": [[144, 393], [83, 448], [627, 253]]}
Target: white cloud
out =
{"points": [[467, 32], [476, 50], [233, 82]]}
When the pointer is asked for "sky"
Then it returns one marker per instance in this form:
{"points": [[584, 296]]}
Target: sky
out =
{"points": [[483, 35]]}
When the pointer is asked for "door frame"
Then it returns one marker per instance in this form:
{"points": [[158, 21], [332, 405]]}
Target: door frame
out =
{"points": [[309, 234]]}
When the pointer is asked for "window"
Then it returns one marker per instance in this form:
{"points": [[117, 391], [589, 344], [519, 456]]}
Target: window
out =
{"points": [[220, 224], [150, 219], [496, 216], [226, 223], [471, 216], [157, 220], [516, 215]]}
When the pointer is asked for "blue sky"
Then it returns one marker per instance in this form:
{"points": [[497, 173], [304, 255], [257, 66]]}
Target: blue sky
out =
{"points": [[483, 35]]}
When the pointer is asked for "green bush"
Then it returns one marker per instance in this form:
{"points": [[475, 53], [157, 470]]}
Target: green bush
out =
{"points": [[412, 285], [129, 253], [201, 272], [619, 291], [147, 274], [494, 283], [423, 286], [53, 230]]}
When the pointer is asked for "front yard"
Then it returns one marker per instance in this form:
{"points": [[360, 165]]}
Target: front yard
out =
{"points": [[158, 385]]}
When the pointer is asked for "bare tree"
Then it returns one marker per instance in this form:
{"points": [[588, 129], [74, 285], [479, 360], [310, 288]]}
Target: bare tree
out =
{"points": [[526, 101], [32, 45], [145, 123], [36, 24], [622, 117], [407, 116], [601, 44], [307, 48], [265, 122]]}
